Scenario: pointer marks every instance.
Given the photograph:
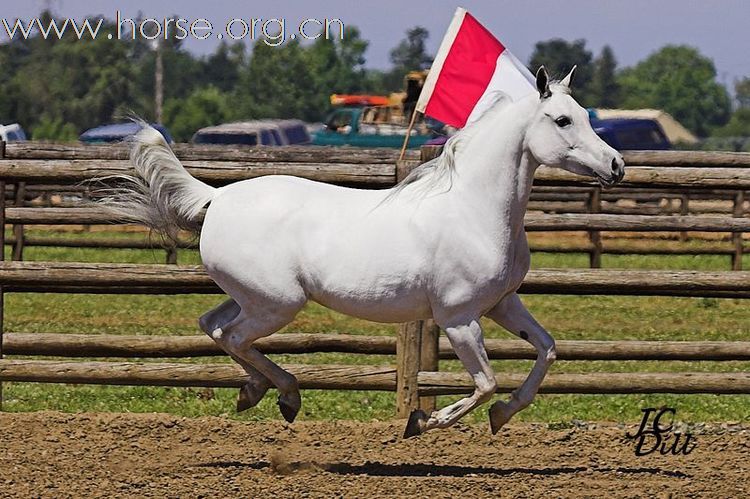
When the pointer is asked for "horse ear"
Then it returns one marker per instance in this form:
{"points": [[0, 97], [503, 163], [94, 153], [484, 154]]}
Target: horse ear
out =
{"points": [[566, 81], [542, 82]]}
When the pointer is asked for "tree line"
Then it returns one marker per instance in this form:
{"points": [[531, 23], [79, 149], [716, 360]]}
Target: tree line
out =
{"points": [[58, 88]]}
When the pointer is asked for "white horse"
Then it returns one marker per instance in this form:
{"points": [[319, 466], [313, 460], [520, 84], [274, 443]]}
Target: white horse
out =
{"points": [[447, 243]]}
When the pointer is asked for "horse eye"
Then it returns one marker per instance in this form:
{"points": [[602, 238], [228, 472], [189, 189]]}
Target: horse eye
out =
{"points": [[563, 121]]}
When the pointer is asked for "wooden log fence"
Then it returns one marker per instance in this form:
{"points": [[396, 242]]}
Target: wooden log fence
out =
{"points": [[345, 377], [46, 150], [148, 346], [125, 278], [535, 222], [439, 383], [417, 348], [615, 248]]}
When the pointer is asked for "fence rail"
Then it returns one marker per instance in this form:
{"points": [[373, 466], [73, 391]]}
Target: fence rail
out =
{"points": [[125, 278], [344, 377], [145, 346], [323, 154]]}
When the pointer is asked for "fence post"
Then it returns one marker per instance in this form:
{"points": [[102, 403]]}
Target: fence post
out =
{"points": [[18, 229], [595, 237], [429, 359], [417, 343], [172, 254], [739, 209], [684, 211], [2, 258]]}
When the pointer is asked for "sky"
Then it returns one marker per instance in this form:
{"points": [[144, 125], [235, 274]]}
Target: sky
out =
{"points": [[633, 28]]}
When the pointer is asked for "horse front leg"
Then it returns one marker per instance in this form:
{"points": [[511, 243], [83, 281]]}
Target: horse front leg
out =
{"points": [[468, 343], [511, 314]]}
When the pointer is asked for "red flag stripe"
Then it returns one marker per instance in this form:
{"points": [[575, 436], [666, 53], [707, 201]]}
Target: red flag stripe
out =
{"points": [[466, 73]]}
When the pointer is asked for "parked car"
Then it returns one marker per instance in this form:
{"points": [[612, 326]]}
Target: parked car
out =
{"points": [[354, 126], [621, 133], [117, 132], [12, 133], [631, 134], [254, 133]]}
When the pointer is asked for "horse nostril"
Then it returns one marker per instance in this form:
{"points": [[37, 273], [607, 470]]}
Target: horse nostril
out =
{"points": [[618, 167]]}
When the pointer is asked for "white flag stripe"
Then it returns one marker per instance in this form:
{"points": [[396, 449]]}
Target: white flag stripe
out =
{"points": [[511, 77], [437, 63]]}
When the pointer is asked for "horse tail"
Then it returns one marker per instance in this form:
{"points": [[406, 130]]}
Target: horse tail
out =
{"points": [[162, 195]]}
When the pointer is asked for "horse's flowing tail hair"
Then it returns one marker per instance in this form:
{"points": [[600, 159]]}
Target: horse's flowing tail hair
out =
{"points": [[162, 195]]}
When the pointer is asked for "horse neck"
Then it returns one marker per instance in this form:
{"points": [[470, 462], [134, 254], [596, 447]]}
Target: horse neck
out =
{"points": [[497, 169]]}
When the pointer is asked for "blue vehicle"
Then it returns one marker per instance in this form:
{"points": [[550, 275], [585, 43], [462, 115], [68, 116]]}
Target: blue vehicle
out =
{"points": [[631, 134], [624, 134], [117, 132]]}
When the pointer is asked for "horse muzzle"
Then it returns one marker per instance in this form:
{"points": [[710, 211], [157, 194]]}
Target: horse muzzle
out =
{"points": [[615, 174]]}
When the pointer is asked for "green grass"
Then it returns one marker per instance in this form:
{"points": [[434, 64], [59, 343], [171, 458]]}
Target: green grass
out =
{"points": [[567, 317]]}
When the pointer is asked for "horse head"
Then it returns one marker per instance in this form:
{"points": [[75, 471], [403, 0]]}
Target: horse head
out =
{"points": [[560, 134]]}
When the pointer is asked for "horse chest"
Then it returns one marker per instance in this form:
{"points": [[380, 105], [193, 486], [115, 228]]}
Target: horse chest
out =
{"points": [[483, 274], [507, 273]]}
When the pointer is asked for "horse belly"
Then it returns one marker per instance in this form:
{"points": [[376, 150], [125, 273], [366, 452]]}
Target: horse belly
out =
{"points": [[381, 305]]}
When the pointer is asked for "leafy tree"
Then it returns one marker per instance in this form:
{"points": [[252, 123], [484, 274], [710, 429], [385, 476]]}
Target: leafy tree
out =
{"points": [[738, 125], [54, 129], [604, 91], [222, 68], [277, 84], [742, 92], [66, 80], [336, 66], [204, 107], [409, 55], [182, 74], [559, 56], [681, 81]]}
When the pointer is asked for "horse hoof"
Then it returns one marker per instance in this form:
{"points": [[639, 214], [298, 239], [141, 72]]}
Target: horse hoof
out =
{"points": [[250, 395], [289, 406], [499, 415], [415, 425]]}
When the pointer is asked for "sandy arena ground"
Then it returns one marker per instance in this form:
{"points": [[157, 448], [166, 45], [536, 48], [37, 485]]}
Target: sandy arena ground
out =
{"points": [[50, 454]]}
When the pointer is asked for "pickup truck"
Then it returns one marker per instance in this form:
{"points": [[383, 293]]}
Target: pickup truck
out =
{"points": [[345, 126]]}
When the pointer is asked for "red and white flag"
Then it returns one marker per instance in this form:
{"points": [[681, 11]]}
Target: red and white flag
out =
{"points": [[470, 68]]}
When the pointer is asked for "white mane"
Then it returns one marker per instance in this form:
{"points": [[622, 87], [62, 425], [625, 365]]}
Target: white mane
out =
{"points": [[437, 174]]}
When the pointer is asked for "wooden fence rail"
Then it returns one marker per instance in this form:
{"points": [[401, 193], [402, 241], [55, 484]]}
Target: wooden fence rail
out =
{"points": [[614, 248], [72, 171], [441, 383], [535, 222], [148, 346], [344, 377], [125, 278], [47, 150]]}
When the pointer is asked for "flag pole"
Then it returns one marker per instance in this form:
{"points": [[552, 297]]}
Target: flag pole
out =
{"points": [[408, 134]]}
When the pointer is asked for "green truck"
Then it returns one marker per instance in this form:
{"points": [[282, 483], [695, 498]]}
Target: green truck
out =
{"points": [[361, 127]]}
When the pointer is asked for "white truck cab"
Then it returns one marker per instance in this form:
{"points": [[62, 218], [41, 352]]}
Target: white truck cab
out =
{"points": [[12, 133]]}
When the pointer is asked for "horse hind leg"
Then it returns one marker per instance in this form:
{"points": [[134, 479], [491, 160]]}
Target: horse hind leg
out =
{"points": [[255, 389], [237, 336]]}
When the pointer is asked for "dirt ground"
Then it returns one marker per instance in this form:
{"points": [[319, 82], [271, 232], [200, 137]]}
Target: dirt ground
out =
{"points": [[50, 454]]}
